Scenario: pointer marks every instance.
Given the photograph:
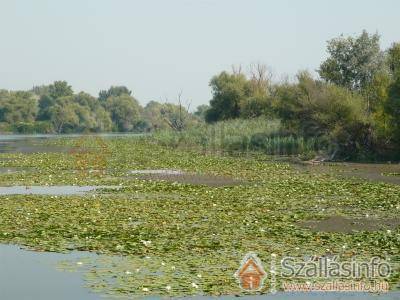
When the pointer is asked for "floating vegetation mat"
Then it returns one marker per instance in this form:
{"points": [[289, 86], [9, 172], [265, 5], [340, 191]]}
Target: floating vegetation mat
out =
{"points": [[186, 178], [189, 239]]}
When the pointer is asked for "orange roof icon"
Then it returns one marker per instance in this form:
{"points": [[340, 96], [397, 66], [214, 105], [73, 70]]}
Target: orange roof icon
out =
{"points": [[251, 273]]}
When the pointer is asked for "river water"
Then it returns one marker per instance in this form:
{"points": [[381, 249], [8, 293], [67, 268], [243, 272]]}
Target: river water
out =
{"points": [[29, 275]]}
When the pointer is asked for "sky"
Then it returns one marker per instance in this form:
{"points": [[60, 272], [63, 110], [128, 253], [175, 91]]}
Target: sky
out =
{"points": [[159, 48]]}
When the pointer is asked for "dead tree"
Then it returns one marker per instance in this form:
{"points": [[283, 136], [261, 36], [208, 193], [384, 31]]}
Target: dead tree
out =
{"points": [[260, 76], [179, 123]]}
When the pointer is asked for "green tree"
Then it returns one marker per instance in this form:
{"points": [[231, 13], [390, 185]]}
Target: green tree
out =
{"points": [[48, 96], [394, 59], [103, 120], [115, 91], [152, 113], [40, 90], [124, 111], [60, 89], [17, 107], [352, 62], [201, 111], [45, 103], [311, 108], [228, 91], [167, 116], [63, 115], [392, 107]]}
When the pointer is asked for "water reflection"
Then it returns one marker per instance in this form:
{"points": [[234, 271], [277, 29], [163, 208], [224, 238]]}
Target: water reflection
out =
{"points": [[29, 275]]}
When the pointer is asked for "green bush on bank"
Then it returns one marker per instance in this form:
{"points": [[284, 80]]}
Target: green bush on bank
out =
{"points": [[32, 128]]}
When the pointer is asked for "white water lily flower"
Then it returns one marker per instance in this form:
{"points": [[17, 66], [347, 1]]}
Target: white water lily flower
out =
{"points": [[163, 263], [79, 263], [195, 285], [199, 275], [389, 231], [128, 272], [145, 289], [146, 243], [137, 270], [168, 287], [173, 267]]}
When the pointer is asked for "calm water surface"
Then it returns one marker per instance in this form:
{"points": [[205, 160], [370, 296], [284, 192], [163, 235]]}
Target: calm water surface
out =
{"points": [[56, 190], [29, 275]]}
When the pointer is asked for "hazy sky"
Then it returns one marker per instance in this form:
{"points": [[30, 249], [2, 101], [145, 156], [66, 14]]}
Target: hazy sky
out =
{"points": [[158, 48]]}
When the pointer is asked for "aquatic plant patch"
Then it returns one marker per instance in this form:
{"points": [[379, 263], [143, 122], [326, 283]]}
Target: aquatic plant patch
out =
{"points": [[184, 238]]}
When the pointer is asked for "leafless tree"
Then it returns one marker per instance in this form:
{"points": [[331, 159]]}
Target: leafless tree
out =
{"points": [[237, 70], [179, 123], [260, 76]]}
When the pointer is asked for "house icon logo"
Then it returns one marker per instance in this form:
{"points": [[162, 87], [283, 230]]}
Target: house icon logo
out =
{"points": [[251, 274]]}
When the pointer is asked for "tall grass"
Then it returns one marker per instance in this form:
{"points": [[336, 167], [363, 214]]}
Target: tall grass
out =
{"points": [[239, 136]]}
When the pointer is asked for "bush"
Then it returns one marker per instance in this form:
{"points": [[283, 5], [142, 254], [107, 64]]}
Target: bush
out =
{"points": [[314, 110], [31, 128], [5, 127]]}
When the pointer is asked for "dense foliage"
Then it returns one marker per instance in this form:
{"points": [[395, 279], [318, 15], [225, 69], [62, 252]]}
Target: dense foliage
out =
{"points": [[354, 106], [57, 109]]}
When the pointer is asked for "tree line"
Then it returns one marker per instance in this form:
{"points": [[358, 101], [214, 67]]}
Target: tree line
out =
{"points": [[55, 108], [353, 105]]}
